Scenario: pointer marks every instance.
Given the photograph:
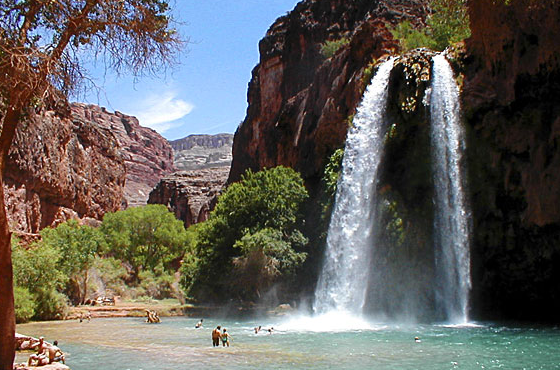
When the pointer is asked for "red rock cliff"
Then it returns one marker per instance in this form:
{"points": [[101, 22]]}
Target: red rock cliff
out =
{"points": [[83, 164], [147, 155], [511, 96], [61, 168], [298, 99]]}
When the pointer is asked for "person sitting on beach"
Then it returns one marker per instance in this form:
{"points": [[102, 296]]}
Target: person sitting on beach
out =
{"points": [[216, 336], [55, 353], [199, 324], [41, 357], [225, 338]]}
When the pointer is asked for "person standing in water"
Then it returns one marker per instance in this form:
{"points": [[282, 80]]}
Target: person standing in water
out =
{"points": [[216, 336], [225, 338]]}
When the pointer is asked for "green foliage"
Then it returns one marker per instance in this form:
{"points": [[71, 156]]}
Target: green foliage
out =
{"points": [[269, 199], [410, 38], [36, 270], [332, 171], [78, 245], [37, 267], [266, 255], [112, 275], [156, 283], [330, 47], [24, 304], [144, 236], [447, 24]]}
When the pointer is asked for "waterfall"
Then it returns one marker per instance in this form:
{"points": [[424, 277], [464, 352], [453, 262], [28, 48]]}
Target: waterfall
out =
{"points": [[451, 221], [342, 285]]}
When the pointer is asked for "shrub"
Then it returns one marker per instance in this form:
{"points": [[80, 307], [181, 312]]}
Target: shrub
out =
{"points": [[447, 24], [144, 236], [330, 47], [24, 304], [269, 199]]}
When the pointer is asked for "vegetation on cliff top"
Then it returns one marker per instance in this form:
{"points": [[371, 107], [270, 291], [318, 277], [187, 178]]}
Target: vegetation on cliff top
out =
{"points": [[447, 24]]}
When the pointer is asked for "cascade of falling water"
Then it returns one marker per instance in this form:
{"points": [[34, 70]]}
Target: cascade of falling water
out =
{"points": [[343, 281], [451, 221]]}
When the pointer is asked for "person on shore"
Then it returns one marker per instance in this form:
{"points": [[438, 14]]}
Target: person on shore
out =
{"points": [[55, 353], [225, 338], [199, 324], [41, 357], [216, 336]]}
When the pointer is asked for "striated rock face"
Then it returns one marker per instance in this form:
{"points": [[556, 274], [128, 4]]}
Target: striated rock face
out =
{"points": [[299, 100], [81, 165], [202, 151], [511, 95], [147, 155], [190, 194], [61, 168]]}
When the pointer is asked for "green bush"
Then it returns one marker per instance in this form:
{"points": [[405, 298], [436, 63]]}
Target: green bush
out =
{"points": [[156, 284], [51, 305], [330, 47], [269, 199], [24, 304], [144, 236], [447, 24], [78, 245]]}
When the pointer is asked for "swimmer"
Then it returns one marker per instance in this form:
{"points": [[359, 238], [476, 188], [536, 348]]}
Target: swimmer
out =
{"points": [[225, 338], [417, 340], [199, 324], [257, 329], [216, 336]]}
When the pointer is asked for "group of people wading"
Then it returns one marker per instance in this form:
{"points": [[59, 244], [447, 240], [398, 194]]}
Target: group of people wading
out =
{"points": [[218, 336]]}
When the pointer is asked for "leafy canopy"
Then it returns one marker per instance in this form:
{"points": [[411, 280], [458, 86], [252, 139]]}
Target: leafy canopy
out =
{"points": [[258, 214], [145, 236]]}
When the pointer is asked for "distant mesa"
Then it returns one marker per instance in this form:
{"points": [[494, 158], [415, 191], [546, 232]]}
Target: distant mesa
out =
{"points": [[202, 151]]}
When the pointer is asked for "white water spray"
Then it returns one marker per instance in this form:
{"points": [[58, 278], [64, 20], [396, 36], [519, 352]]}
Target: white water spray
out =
{"points": [[452, 217], [342, 285]]}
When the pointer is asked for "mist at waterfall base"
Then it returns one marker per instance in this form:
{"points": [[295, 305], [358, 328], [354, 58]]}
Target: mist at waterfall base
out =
{"points": [[132, 344], [364, 278]]}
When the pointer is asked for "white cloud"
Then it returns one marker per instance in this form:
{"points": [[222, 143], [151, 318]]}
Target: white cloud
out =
{"points": [[160, 112]]}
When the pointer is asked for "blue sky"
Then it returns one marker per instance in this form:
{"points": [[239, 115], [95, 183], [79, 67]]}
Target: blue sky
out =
{"points": [[207, 92]]}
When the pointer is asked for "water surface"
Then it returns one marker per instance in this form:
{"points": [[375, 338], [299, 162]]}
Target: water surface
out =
{"points": [[130, 343]]}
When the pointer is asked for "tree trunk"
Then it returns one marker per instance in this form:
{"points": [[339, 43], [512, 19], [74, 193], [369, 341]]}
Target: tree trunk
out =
{"points": [[7, 313]]}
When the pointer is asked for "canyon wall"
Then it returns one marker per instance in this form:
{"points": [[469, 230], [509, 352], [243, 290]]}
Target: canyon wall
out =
{"points": [[510, 98], [300, 100], [191, 194], [80, 162]]}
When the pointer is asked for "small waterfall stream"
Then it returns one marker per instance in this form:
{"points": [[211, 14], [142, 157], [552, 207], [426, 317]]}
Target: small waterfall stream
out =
{"points": [[451, 221], [342, 285]]}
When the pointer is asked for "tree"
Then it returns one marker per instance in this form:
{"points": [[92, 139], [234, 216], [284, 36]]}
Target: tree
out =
{"points": [[269, 199], [145, 237], [41, 42], [77, 245]]}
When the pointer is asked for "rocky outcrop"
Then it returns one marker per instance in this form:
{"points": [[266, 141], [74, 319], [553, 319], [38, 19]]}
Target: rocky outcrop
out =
{"points": [[61, 167], [81, 164], [202, 151], [190, 195], [147, 155], [510, 96], [299, 100]]}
